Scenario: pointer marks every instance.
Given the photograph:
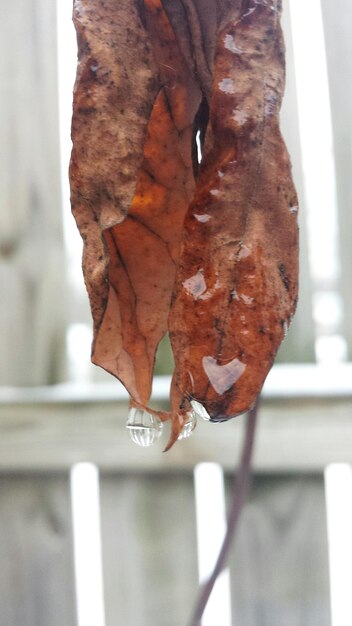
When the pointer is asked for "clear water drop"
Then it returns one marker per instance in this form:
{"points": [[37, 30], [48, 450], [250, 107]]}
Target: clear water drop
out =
{"points": [[143, 427], [200, 411], [189, 425]]}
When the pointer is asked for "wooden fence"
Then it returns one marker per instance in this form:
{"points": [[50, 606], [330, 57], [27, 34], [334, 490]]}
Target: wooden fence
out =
{"points": [[278, 565]]}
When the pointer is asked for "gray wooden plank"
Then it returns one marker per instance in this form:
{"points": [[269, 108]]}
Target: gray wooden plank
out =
{"points": [[36, 574], [31, 243], [337, 17], [297, 432], [149, 548], [279, 562]]}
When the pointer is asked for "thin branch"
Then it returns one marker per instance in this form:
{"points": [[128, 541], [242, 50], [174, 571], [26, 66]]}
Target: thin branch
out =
{"points": [[240, 486]]}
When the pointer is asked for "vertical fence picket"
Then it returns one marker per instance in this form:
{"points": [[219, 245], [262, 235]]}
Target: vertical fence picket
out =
{"points": [[299, 343], [337, 18]]}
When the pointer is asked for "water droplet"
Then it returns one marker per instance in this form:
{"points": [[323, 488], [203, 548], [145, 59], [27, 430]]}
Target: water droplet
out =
{"points": [[200, 411], [195, 285], [143, 427], [239, 116], [202, 218], [189, 425], [244, 251], [249, 12], [247, 299], [227, 85], [223, 376], [229, 44], [242, 297]]}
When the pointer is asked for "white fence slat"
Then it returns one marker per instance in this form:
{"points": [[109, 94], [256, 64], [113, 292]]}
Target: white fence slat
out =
{"points": [[299, 343], [337, 17], [85, 502]]}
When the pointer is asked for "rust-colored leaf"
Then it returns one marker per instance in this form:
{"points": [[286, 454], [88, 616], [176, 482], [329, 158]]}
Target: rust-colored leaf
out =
{"points": [[131, 245], [240, 230]]}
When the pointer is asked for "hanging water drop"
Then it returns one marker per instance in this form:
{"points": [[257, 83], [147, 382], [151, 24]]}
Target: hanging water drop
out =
{"points": [[189, 425], [200, 411], [143, 427]]}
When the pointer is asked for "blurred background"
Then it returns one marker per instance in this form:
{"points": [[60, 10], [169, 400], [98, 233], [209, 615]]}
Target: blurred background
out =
{"points": [[93, 530]]}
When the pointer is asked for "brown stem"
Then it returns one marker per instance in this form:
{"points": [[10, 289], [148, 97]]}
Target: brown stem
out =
{"points": [[238, 496]]}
